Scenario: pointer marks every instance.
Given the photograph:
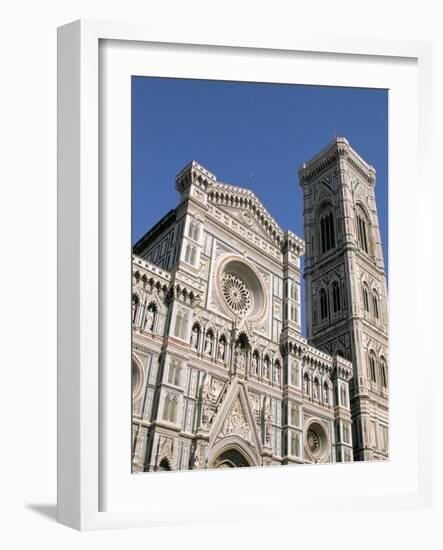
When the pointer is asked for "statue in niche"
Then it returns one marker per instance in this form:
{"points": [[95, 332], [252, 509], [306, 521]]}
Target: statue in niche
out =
{"points": [[315, 389], [239, 358], [194, 337], [221, 350], [305, 384], [326, 394], [277, 375], [266, 368], [149, 319], [254, 364], [208, 343]]}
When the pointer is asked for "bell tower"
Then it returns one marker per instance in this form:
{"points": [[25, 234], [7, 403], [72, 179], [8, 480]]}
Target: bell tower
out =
{"points": [[345, 284]]}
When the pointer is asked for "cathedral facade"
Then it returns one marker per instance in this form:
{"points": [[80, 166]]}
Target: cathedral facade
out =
{"points": [[221, 374]]}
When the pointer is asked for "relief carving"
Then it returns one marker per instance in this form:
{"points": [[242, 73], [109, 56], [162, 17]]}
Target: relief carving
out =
{"points": [[236, 424]]}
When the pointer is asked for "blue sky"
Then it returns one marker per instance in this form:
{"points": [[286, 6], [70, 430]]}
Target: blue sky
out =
{"points": [[249, 134]]}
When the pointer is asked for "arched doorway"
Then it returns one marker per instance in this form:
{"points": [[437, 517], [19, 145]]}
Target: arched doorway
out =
{"points": [[232, 458]]}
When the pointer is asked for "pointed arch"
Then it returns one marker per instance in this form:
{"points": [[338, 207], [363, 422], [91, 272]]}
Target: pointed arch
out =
{"points": [[323, 303], [372, 366], [375, 304], [326, 227], [363, 228], [365, 295], [336, 297], [383, 372]]}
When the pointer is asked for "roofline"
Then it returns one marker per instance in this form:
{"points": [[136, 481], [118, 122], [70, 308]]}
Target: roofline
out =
{"points": [[155, 230]]}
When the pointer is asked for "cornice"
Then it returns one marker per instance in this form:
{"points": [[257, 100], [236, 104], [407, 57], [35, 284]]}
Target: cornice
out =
{"points": [[149, 269], [338, 149], [194, 173]]}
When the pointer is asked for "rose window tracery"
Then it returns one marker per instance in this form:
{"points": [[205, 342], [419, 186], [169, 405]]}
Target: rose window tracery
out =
{"points": [[239, 288], [313, 442], [236, 293]]}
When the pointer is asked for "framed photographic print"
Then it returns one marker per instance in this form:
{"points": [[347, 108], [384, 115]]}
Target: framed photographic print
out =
{"points": [[230, 215]]}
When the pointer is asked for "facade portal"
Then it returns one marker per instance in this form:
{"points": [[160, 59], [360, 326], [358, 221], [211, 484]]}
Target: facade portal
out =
{"points": [[231, 458]]}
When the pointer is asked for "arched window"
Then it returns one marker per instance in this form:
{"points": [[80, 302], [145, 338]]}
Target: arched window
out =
{"points": [[174, 372], [295, 371], [323, 304], [336, 297], [166, 407], [365, 298], [375, 304], [383, 373], [295, 444], [346, 434], [372, 373], [181, 324], [194, 230], [362, 230], [327, 231], [170, 408], [178, 323], [188, 253], [295, 414]]}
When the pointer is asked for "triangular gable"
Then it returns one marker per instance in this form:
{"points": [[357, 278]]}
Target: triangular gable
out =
{"points": [[242, 205], [246, 218], [235, 417], [323, 195]]}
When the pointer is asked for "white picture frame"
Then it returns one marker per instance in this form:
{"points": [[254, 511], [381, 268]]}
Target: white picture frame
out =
{"points": [[95, 495]]}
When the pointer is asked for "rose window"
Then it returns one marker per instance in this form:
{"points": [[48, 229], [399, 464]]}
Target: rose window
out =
{"points": [[239, 289], [313, 442], [236, 293]]}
